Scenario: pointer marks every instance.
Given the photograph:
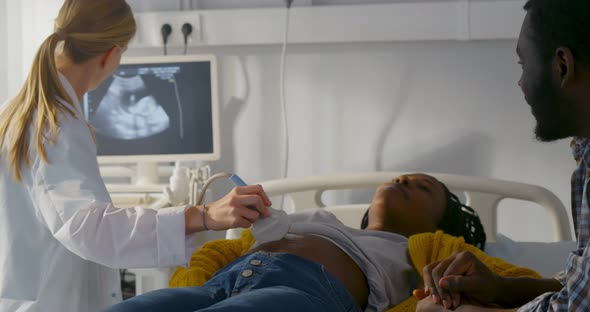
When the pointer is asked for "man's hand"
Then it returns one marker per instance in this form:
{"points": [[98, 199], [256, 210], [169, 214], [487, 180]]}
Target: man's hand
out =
{"points": [[461, 274]]}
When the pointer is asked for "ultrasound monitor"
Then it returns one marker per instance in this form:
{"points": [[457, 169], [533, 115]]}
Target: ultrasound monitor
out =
{"points": [[157, 109]]}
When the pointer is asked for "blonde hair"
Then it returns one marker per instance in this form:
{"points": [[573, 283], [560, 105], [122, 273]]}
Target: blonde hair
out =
{"points": [[86, 28]]}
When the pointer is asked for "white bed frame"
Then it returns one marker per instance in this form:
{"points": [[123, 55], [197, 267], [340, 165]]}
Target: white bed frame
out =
{"points": [[482, 194]]}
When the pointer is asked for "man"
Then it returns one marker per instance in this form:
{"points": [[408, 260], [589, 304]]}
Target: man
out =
{"points": [[554, 52]]}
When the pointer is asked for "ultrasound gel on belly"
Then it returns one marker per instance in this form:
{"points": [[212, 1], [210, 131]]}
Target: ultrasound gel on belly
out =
{"points": [[271, 228]]}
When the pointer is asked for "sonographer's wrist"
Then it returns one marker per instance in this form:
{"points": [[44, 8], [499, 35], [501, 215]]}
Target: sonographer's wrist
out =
{"points": [[194, 220]]}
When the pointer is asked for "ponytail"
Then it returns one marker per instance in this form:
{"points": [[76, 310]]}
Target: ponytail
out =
{"points": [[36, 104]]}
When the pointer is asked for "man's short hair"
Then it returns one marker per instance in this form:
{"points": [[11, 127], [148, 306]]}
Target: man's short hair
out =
{"points": [[560, 23]]}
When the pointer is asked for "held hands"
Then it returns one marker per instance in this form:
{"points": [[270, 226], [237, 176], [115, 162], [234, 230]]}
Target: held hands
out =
{"points": [[239, 208], [425, 304], [461, 277]]}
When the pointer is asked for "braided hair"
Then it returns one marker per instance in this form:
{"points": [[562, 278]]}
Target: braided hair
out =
{"points": [[461, 220], [458, 220]]}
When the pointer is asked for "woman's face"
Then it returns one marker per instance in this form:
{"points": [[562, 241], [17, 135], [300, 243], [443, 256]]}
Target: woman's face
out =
{"points": [[409, 204]]}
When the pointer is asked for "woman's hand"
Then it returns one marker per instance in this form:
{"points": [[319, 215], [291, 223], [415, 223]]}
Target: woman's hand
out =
{"points": [[239, 208], [427, 305]]}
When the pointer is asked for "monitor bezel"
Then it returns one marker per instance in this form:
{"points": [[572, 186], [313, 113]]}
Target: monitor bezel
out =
{"points": [[215, 155]]}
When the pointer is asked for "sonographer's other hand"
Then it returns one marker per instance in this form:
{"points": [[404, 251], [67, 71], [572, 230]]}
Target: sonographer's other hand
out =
{"points": [[460, 277], [238, 209]]}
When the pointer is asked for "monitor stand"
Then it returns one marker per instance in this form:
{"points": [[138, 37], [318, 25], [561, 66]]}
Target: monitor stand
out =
{"points": [[147, 174], [146, 180]]}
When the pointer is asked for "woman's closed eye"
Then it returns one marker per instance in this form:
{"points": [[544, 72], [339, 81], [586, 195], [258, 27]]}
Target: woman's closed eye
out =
{"points": [[424, 188]]}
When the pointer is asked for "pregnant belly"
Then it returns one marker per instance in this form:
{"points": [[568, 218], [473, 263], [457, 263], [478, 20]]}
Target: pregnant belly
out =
{"points": [[326, 253]]}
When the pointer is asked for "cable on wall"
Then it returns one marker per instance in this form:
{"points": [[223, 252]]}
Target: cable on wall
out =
{"points": [[166, 30], [283, 96], [187, 30]]}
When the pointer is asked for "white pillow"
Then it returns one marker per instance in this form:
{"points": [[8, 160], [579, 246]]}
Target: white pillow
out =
{"points": [[545, 258]]}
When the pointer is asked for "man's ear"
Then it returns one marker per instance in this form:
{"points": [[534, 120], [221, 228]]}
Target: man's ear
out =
{"points": [[564, 66], [108, 56]]}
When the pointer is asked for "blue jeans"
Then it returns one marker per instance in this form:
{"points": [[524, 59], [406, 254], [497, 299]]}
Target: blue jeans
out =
{"points": [[262, 281]]}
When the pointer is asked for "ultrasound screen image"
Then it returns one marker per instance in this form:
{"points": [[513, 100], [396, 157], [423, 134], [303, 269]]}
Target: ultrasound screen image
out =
{"points": [[153, 109]]}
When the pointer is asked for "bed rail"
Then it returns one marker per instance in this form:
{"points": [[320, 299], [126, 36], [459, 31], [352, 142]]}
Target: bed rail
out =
{"points": [[483, 194]]}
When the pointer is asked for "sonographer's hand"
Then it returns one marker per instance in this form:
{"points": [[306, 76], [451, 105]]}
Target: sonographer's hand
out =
{"points": [[238, 209], [460, 277]]}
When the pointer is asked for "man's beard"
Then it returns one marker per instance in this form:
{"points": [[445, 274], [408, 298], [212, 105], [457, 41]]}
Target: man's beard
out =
{"points": [[555, 124], [546, 135], [554, 114]]}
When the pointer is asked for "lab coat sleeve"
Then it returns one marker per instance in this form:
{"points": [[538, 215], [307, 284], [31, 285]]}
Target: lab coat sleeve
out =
{"points": [[73, 201]]}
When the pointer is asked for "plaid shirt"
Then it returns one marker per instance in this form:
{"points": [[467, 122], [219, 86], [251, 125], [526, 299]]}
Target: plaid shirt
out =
{"points": [[575, 294]]}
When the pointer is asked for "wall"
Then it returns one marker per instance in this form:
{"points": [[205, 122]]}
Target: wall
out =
{"points": [[26, 24], [11, 74], [449, 107], [3, 51]]}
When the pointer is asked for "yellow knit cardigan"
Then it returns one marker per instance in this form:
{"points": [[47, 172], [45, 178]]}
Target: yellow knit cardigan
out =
{"points": [[424, 249]]}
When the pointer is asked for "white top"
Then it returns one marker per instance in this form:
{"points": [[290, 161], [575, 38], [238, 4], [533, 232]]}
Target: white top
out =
{"points": [[382, 256], [59, 231]]}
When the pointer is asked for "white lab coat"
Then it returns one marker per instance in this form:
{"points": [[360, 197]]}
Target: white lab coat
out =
{"points": [[60, 235]]}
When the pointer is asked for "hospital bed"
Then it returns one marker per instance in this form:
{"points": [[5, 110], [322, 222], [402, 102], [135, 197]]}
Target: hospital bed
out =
{"points": [[483, 194]]}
